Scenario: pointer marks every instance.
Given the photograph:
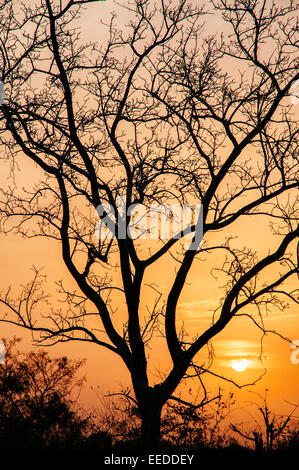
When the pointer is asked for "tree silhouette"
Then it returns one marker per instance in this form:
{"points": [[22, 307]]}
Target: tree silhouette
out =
{"points": [[163, 112]]}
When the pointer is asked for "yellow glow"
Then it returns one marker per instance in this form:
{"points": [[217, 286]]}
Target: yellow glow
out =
{"points": [[239, 364]]}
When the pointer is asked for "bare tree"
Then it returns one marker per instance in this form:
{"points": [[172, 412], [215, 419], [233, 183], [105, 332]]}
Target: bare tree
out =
{"points": [[163, 113]]}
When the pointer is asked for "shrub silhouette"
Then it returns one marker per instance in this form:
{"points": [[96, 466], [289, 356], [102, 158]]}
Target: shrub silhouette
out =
{"points": [[273, 431], [36, 411], [182, 427]]}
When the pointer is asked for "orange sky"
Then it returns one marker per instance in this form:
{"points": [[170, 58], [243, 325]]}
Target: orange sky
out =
{"points": [[240, 338]]}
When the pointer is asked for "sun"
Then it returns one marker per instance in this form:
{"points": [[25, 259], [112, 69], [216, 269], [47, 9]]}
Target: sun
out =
{"points": [[239, 364]]}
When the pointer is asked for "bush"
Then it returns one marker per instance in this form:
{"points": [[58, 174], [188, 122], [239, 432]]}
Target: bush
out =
{"points": [[36, 411]]}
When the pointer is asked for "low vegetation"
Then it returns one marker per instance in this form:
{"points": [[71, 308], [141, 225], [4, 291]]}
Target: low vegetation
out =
{"points": [[38, 411]]}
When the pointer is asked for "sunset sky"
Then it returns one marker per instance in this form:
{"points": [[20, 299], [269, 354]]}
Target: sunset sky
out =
{"points": [[240, 339]]}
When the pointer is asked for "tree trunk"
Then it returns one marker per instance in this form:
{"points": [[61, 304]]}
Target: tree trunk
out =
{"points": [[150, 427]]}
